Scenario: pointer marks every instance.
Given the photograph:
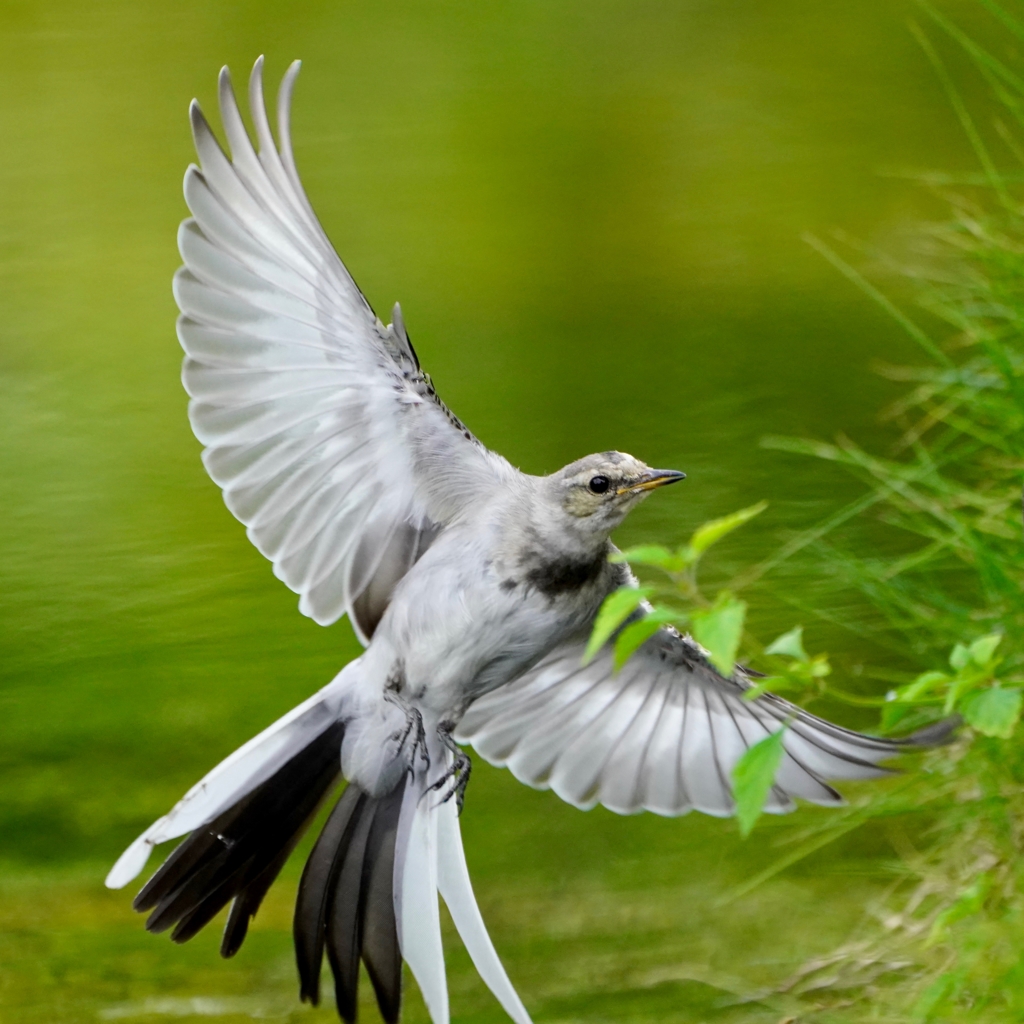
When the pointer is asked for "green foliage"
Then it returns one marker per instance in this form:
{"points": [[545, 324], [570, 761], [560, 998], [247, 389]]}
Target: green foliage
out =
{"points": [[634, 635], [947, 500], [717, 626], [617, 607], [752, 779], [993, 712], [972, 690], [681, 564], [654, 555], [790, 644], [793, 668], [712, 532], [929, 563], [718, 630]]}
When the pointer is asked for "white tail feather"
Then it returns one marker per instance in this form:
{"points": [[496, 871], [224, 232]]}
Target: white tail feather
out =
{"points": [[416, 909], [429, 859], [457, 891]]}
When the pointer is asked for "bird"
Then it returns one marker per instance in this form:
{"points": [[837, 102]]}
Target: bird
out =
{"points": [[472, 586]]}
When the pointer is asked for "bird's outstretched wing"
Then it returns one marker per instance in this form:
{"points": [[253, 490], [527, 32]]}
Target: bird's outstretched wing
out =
{"points": [[327, 438], [663, 734]]}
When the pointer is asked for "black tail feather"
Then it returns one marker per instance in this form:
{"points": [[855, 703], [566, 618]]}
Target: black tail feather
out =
{"points": [[248, 901], [311, 902], [346, 903], [239, 854], [381, 952], [343, 920]]}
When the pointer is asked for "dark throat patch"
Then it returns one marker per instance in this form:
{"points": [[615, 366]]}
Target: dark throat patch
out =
{"points": [[554, 576]]}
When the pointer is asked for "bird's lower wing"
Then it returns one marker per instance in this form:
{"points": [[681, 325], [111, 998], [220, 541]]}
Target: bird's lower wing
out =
{"points": [[663, 734]]}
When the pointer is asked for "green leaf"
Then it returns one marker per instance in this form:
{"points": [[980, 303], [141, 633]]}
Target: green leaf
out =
{"points": [[819, 667], [983, 649], [706, 535], [637, 632], [791, 644], [753, 776], [617, 607], [776, 684], [960, 657], [993, 712], [718, 630], [654, 555], [928, 683]]}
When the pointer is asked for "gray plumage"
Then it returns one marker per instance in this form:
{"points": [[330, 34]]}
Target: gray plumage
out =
{"points": [[472, 585]]}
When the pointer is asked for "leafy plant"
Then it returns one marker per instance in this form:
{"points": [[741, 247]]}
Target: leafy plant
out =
{"points": [[944, 942], [677, 600]]}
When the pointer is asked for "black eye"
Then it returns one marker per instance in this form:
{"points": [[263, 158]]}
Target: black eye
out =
{"points": [[599, 484]]}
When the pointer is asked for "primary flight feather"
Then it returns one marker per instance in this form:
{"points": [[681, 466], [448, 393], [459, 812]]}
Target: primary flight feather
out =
{"points": [[472, 586]]}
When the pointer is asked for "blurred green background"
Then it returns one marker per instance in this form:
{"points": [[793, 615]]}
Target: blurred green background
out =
{"points": [[591, 212]]}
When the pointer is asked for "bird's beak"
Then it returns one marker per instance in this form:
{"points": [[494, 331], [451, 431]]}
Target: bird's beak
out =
{"points": [[651, 479]]}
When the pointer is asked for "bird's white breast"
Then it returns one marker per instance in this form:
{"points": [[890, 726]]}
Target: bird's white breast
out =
{"points": [[463, 621]]}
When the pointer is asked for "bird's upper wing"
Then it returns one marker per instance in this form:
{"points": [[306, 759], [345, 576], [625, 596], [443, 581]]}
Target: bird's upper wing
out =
{"points": [[663, 734], [328, 440]]}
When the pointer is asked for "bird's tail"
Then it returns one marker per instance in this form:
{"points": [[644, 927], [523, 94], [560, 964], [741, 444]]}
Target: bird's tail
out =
{"points": [[369, 888]]}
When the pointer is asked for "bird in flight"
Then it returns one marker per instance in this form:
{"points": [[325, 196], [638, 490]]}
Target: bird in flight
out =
{"points": [[472, 586]]}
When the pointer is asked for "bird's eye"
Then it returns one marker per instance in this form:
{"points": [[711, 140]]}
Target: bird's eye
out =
{"points": [[599, 484]]}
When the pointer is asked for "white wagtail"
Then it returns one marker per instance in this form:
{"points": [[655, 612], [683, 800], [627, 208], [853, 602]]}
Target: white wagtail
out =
{"points": [[472, 585]]}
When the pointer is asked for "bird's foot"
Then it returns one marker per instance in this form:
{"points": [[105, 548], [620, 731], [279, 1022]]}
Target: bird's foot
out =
{"points": [[456, 777], [413, 728]]}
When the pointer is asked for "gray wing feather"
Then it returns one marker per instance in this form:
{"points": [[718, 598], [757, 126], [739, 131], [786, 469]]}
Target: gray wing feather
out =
{"points": [[580, 773], [663, 734], [623, 775], [702, 773], [328, 441], [661, 780]]}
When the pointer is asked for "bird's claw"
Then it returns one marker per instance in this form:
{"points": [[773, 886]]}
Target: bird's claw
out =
{"points": [[458, 773], [413, 727]]}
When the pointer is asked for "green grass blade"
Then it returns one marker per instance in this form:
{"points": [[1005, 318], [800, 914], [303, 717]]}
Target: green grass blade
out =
{"points": [[872, 292], [711, 532]]}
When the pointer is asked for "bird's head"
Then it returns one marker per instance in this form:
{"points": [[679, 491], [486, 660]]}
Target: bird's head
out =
{"points": [[597, 492]]}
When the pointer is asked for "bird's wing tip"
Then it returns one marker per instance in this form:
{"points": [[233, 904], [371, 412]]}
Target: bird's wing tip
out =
{"points": [[935, 735]]}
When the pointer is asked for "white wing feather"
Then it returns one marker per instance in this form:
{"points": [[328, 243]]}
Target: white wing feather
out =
{"points": [[663, 734], [327, 439]]}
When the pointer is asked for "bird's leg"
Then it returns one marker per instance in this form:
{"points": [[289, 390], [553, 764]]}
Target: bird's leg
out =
{"points": [[413, 727], [458, 774]]}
